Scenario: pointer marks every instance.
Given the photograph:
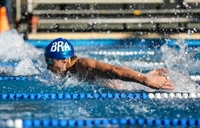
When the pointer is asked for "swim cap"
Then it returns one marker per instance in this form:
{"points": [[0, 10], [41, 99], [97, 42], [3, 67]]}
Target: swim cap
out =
{"points": [[59, 49]]}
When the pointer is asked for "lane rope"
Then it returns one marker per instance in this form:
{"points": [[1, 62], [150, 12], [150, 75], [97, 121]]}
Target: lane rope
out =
{"points": [[156, 122], [19, 78], [65, 96], [122, 53]]}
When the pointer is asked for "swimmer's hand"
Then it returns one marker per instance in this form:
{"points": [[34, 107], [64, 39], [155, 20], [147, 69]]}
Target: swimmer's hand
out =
{"points": [[156, 79]]}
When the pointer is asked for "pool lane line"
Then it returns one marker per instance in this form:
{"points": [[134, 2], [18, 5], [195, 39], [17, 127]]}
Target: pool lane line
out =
{"points": [[103, 122], [22, 78], [121, 53], [11, 64], [17, 78], [66, 96]]}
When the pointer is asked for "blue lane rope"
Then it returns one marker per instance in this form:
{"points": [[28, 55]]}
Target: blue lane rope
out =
{"points": [[18, 78], [12, 64], [65, 96], [183, 122], [21, 78], [149, 122]]}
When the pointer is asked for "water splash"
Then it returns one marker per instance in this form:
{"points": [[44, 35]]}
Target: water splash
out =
{"points": [[176, 59], [179, 63], [14, 49], [27, 66]]}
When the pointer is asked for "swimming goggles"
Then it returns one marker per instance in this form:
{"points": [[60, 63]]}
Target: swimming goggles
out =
{"points": [[49, 61]]}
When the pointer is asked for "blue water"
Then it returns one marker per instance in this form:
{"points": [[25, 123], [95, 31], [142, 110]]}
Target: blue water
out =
{"points": [[99, 108], [124, 45], [150, 43], [109, 108], [89, 108]]}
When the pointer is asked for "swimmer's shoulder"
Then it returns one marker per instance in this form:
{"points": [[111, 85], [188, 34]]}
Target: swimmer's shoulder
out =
{"points": [[92, 63], [85, 62]]}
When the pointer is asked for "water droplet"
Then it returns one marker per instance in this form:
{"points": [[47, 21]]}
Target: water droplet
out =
{"points": [[189, 32], [143, 40], [140, 25], [178, 6]]}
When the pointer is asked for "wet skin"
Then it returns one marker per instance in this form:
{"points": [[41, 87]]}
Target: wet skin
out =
{"points": [[91, 68]]}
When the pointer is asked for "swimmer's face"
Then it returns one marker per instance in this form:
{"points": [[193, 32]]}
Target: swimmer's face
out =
{"points": [[56, 66]]}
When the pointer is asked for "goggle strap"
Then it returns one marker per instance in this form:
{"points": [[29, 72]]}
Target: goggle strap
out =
{"points": [[69, 60]]}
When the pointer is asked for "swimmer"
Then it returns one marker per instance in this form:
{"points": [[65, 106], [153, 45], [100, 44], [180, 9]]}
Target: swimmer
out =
{"points": [[60, 59]]}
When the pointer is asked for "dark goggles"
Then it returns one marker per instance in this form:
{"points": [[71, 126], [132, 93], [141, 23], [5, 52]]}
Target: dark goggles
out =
{"points": [[49, 61]]}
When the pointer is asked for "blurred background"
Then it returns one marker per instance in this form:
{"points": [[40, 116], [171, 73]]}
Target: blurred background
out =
{"points": [[138, 16]]}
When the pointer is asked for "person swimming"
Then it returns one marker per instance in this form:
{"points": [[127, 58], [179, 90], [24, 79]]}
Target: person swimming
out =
{"points": [[61, 59]]}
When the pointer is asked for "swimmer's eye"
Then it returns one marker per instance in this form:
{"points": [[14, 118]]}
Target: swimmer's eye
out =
{"points": [[49, 61]]}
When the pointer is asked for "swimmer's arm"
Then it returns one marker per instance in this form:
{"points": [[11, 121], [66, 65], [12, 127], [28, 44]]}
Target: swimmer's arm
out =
{"points": [[96, 68], [152, 80]]}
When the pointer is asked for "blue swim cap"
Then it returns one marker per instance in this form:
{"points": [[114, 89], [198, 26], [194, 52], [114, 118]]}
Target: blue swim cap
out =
{"points": [[59, 49]]}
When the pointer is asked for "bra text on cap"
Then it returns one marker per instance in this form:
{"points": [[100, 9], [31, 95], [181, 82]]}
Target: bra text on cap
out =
{"points": [[60, 44]]}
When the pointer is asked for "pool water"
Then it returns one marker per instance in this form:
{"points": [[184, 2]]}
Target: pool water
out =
{"points": [[31, 96]]}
